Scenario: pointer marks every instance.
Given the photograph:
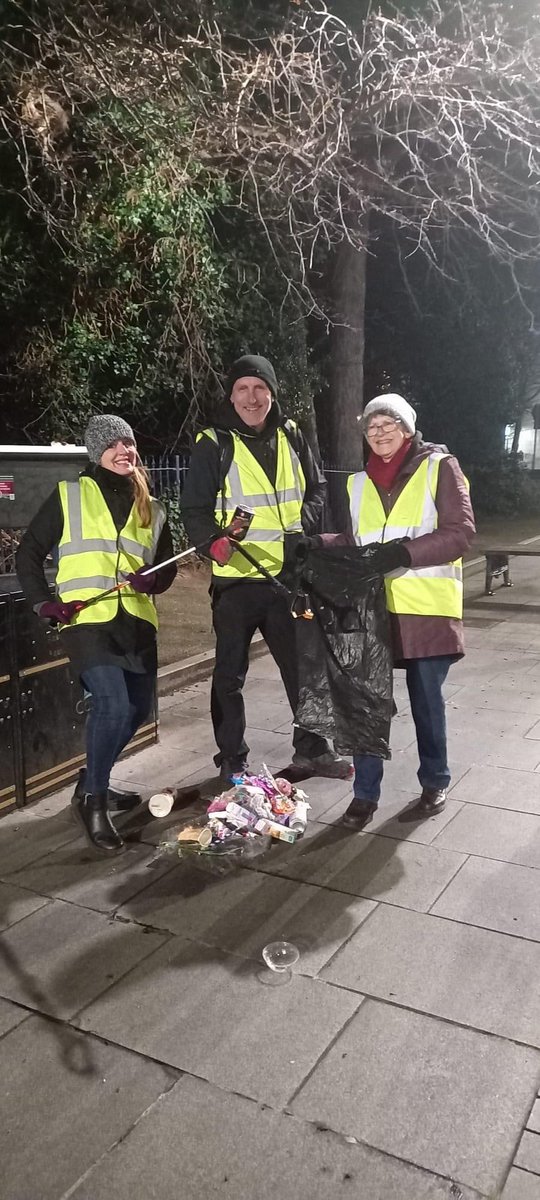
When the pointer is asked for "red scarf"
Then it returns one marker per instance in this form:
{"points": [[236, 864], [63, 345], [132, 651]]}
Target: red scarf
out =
{"points": [[383, 474]]}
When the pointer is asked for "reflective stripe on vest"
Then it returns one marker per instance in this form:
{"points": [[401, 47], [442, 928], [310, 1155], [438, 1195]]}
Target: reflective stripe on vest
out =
{"points": [[93, 556], [426, 591], [277, 510]]}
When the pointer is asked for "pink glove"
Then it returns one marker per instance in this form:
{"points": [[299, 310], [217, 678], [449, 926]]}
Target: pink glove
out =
{"points": [[221, 551], [144, 584], [60, 613]]}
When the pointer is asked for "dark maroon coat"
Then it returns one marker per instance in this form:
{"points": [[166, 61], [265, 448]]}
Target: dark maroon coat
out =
{"points": [[425, 637]]}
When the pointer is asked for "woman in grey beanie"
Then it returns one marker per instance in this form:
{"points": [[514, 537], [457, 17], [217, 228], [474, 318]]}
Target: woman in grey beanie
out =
{"points": [[107, 529]]}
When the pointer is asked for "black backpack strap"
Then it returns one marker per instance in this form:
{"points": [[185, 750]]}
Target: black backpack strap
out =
{"points": [[226, 451]]}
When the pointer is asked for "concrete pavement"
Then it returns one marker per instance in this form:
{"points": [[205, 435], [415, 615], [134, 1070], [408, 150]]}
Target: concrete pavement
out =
{"points": [[143, 1052]]}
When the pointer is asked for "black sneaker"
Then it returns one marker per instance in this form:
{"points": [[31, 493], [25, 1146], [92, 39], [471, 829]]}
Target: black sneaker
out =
{"points": [[228, 769], [359, 814], [327, 766]]}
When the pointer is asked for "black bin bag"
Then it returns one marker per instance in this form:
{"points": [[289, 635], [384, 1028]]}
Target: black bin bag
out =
{"points": [[344, 653]]}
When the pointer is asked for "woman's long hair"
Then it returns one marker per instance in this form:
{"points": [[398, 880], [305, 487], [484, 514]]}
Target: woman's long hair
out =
{"points": [[141, 491]]}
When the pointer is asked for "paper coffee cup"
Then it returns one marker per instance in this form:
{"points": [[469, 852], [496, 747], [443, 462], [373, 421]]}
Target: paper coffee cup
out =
{"points": [[194, 833], [161, 804]]}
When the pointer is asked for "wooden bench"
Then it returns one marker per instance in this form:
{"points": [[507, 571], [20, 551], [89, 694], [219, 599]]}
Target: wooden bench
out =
{"points": [[497, 563]]}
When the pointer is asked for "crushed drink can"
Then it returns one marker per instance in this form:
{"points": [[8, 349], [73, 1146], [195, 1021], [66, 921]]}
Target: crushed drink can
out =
{"points": [[299, 818]]}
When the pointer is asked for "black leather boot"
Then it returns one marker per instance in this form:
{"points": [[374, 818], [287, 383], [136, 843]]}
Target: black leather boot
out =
{"points": [[91, 813], [359, 813], [116, 801], [431, 802]]}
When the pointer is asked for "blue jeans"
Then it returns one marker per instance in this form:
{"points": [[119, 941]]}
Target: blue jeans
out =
{"points": [[425, 678], [121, 701]]}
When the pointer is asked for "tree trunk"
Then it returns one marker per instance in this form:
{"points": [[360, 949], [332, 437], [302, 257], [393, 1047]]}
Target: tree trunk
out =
{"points": [[517, 435], [346, 374]]}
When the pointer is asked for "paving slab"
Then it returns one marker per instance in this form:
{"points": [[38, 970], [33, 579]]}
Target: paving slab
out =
{"points": [[325, 793], [464, 719], [59, 958], [528, 1152], [510, 752], [275, 749], [380, 868], [495, 895], [498, 787], [446, 969], [494, 833], [101, 884], [395, 817], [199, 1142], [16, 903], [473, 747], [66, 1100], [188, 736], [208, 1013], [402, 732], [267, 714], [533, 1120], [513, 635], [25, 842], [10, 1016], [521, 1186], [244, 911], [38, 812], [480, 668], [152, 832], [520, 697], [401, 771], [162, 765], [449, 1099], [273, 687]]}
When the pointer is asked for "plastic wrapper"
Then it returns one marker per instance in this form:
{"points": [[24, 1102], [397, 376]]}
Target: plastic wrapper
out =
{"points": [[240, 824]]}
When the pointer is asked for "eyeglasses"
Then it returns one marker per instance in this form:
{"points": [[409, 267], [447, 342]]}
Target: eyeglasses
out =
{"points": [[374, 431]]}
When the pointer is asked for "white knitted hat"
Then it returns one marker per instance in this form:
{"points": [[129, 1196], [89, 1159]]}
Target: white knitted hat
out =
{"points": [[392, 405]]}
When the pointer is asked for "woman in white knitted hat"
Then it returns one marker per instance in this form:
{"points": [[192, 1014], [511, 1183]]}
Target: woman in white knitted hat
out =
{"points": [[106, 529], [413, 499]]}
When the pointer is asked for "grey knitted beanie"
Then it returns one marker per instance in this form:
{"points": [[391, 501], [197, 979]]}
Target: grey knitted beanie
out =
{"points": [[102, 431]]}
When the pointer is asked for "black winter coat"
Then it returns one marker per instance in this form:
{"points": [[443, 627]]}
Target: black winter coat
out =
{"points": [[209, 466]]}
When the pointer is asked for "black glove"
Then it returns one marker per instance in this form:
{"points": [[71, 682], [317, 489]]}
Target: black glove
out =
{"points": [[297, 546], [389, 556], [291, 542]]}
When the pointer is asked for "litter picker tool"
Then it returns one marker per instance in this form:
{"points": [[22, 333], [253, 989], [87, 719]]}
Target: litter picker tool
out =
{"points": [[238, 525], [149, 571], [280, 587]]}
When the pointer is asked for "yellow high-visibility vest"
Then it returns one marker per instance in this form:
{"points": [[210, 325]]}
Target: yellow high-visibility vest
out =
{"points": [[277, 509], [426, 591], [93, 555]]}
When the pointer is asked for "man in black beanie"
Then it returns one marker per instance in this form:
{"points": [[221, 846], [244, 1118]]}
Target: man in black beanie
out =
{"points": [[254, 457]]}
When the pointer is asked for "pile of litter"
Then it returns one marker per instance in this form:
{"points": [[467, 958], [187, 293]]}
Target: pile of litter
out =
{"points": [[241, 822]]}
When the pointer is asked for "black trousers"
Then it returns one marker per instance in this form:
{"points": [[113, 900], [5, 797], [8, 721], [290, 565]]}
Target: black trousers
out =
{"points": [[238, 612]]}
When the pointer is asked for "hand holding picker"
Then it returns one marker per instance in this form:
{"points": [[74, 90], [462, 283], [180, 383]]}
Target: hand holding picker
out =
{"points": [[143, 580]]}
